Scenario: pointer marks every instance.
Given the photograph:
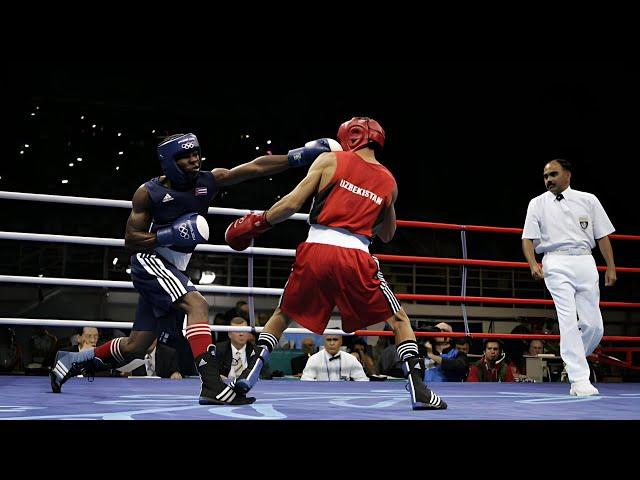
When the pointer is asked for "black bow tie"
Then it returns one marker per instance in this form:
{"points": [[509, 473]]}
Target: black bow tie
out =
{"points": [[559, 197], [334, 358]]}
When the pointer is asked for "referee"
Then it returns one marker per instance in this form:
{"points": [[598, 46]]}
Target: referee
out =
{"points": [[564, 225]]}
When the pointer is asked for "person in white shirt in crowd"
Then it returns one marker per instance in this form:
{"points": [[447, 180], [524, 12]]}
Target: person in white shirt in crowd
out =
{"points": [[332, 364], [565, 225]]}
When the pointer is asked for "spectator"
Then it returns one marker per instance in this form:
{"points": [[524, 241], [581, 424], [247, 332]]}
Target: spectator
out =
{"points": [[463, 344], [389, 362], [221, 320], [359, 350], [382, 343], [240, 310], [514, 349], [492, 367], [107, 334], [10, 354], [536, 347], [447, 364], [298, 363], [159, 361], [88, 338], [332, 364], [85, 338], [234, 353], [294, 340], [42, 346]]}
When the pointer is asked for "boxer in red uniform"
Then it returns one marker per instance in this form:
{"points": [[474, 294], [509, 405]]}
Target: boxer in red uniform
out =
{"points": [[354, 201]]}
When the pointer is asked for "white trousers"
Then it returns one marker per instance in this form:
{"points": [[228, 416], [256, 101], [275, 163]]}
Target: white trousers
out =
{"points": [[572, 281]]}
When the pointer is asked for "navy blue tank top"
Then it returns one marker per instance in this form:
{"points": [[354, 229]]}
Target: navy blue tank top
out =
{"points": [[170, 204], [167, 205]]}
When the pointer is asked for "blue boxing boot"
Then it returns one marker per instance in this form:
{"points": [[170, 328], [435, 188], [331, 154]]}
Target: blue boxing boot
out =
{"points": [[250, 375], [72, 364]]}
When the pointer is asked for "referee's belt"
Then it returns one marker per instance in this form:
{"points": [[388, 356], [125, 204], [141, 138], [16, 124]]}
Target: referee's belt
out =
{"points": [[570, 251]]}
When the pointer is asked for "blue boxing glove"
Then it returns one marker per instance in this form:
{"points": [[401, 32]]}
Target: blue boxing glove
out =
{"points": [[303, 156], [184, 233]]}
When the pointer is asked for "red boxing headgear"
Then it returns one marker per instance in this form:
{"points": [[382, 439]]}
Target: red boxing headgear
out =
{"points": [[358, 132]]}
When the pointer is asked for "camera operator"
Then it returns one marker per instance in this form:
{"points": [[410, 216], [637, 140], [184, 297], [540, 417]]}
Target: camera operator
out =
{"points": [[445, 363]]}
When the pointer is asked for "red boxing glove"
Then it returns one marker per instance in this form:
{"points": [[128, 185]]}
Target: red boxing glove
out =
{"points": [[240, 233]]}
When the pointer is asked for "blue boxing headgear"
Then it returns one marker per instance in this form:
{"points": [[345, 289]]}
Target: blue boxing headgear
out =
{"points": [[169, 151]]}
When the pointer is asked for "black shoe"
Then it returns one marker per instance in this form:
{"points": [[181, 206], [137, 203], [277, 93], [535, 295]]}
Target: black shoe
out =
{"points": [[226, 397], [215, 391], [421, 397]]}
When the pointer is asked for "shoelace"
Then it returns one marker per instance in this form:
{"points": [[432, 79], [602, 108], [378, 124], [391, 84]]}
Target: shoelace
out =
{"points": [[89, 373]]}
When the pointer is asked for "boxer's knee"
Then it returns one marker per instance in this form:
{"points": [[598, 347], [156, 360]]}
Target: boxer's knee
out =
{"points": [[193, 303], [137, 344], [399, 321]]}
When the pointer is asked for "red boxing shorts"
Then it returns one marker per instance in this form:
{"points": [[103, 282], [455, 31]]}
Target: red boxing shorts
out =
{"points": [[324, 276]]}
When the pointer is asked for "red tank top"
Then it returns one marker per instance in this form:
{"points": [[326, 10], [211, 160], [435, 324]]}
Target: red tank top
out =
{"points": [[356, 196]]}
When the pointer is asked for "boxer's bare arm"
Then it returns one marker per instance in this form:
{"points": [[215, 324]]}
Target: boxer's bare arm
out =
{"points": [[387, 228], [259, 167], [137, 236], [317, 178]]}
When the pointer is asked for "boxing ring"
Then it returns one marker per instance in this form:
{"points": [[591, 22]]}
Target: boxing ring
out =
{"points": [[27, 397], [30, 398]]}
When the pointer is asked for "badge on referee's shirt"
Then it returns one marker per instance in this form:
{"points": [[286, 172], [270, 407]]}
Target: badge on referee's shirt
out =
{"points": [[584, 222]]}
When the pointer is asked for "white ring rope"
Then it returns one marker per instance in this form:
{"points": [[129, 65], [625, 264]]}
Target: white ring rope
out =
{"points": [[105, 202], [81, 282], [52, 322], [117, 242]]}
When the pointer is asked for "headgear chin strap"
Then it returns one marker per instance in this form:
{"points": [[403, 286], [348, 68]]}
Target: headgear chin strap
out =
{"points": [[169, 151], [358, 132]]}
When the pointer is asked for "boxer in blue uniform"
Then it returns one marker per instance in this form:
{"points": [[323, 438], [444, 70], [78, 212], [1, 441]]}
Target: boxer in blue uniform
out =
{"points": [[165, 225]]}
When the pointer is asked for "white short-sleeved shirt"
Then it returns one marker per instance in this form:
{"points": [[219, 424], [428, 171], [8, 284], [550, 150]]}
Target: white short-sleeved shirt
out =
{"points": [[573, 222], [342, 366]]}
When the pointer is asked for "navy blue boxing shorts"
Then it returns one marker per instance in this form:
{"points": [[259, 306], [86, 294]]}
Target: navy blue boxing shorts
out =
{"points": [[159, 284]]}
